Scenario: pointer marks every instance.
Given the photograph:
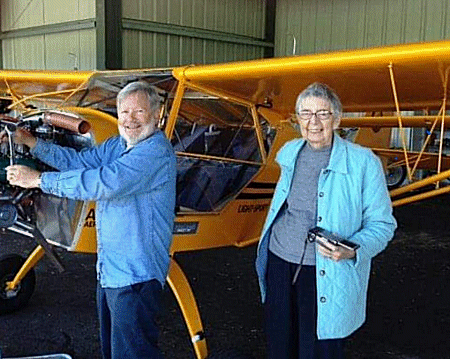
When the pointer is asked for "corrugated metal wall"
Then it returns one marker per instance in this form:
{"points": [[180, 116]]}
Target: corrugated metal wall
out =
{"points": [[175, 32], [48, 34], [57, 34], [326, 25]]}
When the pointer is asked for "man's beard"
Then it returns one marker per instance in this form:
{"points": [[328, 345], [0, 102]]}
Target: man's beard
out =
{"points": [[132, 141]]}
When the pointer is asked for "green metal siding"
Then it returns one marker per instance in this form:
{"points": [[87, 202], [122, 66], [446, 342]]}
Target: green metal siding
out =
{"points": [[327, 25], [48, 34], [178, 32], [243, 17], [143, 49], [23, 53], [64, 51], [56, 34], [18, 14]]}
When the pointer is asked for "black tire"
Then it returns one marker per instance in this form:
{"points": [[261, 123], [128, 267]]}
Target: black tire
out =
{"points": [[11, 301], [229, 354], [395, 176]]}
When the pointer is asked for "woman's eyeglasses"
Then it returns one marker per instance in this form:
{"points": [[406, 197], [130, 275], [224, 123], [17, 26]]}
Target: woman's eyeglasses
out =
{"points": [[322, 115]]}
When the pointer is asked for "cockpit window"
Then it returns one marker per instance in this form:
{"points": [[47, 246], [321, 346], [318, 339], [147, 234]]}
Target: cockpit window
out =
{"points": [[217, 151], [211, 126]]}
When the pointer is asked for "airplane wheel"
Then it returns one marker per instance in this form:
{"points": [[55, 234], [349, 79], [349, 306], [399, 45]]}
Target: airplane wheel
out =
{"points": [[12, 300], [395, 176], [228, 354]]}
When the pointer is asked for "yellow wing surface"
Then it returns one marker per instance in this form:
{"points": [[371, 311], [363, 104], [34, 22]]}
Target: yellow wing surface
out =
{"points": [[362, 78], [58, 89]]}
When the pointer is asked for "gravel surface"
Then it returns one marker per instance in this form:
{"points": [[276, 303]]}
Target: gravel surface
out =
{"points": [[408, 306]]}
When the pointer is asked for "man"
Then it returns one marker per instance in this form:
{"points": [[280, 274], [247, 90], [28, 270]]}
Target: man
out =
{"points": [[132, 177]]}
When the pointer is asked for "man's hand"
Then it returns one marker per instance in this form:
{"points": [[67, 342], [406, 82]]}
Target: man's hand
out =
{"points": [[23, 176], [21, 137], [336, 253]]}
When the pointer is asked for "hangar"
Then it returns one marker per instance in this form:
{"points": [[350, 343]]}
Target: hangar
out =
{"points": [[115, 34], [46, 41]]}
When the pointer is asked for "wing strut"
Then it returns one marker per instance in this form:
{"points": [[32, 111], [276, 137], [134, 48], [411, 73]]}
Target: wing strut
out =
{"points": [[74, 91], [399, 118], [444, 105], [425, 144], [11, 92], [441, 114]]}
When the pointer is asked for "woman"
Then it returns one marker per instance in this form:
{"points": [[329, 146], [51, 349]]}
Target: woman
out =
{"points": [[316, 296]]}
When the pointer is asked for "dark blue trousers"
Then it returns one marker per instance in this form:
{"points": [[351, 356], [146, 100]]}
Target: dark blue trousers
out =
{"points": [[127, 321], [291, 315]]}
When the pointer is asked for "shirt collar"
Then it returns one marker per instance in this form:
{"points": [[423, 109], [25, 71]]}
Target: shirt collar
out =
{"points": [[127, 147]]}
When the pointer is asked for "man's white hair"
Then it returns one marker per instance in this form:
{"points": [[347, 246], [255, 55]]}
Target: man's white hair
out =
{"points": [[141, 86]]}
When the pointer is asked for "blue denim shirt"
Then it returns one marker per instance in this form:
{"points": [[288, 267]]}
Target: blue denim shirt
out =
{"points": [[352, 201], [135, 193]]}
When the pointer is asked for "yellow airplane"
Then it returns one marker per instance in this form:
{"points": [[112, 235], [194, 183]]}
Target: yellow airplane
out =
{"points": [[226, 123]]}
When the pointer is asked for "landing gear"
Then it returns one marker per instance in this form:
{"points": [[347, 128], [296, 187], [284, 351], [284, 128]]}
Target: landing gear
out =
{"points": [[18, 297], [17, 278], [395, 176]]}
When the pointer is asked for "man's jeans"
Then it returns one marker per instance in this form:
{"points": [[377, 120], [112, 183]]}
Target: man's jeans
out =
{"points": [[127, 320]]}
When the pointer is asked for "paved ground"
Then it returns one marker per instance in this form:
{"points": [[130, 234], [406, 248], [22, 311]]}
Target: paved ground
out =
{"points": [[408, 308]]}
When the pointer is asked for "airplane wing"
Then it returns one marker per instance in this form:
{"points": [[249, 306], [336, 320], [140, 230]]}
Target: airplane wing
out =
{"points": [[23, 87], [95, 89], [362, 78]]}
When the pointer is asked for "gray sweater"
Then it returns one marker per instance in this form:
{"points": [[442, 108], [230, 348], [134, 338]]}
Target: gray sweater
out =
{"points": [[298, 214]]}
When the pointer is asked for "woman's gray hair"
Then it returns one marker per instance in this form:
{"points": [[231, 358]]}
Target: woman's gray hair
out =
{"points": [[140, 86], [322, 91]]}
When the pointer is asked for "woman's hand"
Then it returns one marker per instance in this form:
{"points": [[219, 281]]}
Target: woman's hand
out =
{"points": [[336, 253]]}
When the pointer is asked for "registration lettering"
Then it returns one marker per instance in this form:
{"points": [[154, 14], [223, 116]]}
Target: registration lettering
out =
{"points": [[252, 208], [90, 219]]}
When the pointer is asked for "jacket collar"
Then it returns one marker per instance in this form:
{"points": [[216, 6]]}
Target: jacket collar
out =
{"points": [[338, 159]]}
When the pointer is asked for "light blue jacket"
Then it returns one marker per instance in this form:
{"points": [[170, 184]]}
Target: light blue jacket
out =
{"points": [[135, 193], [352, 201]]}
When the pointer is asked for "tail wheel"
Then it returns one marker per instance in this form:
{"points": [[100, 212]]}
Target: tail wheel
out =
{"points": [[12, 300], [395, 176]]}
